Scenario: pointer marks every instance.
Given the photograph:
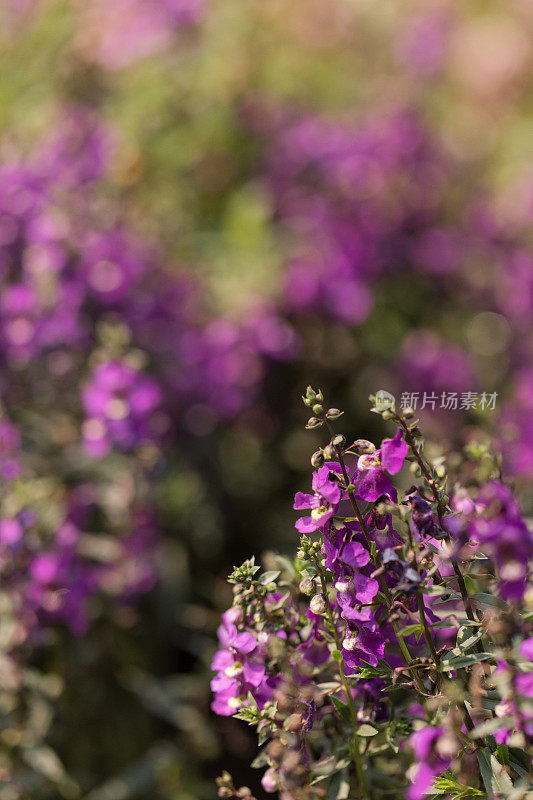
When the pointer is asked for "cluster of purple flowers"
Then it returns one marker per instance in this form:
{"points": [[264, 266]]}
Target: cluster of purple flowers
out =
{"points": [[363, 202], [342, 192], [121, 404], [390, 605], [240, 668], [493, 523], [107, 350]]}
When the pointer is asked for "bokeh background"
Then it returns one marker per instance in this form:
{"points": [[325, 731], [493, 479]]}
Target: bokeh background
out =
{"points": [[204, 206]]}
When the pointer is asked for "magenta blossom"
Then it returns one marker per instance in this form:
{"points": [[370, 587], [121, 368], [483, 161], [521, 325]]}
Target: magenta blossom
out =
{"points": [[239, 667], [429, 764], [363, 642], [323, 503], [121, 404], [372, 469]]}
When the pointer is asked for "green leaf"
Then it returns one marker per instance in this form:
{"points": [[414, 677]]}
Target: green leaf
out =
{"points": [[444, 784], [454, 662], [501, 781], [339, 788], [261, 759], [483, 758], [366, 730], [466, 639], [483, 599], [494, 775], [263, 735], [269, 577], [502, 754], [329, 686], [342, 709], [490, 726], [410, 629]]}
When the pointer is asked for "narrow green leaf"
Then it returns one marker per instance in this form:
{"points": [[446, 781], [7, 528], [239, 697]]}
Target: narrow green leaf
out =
{"points": [[483, 758]]}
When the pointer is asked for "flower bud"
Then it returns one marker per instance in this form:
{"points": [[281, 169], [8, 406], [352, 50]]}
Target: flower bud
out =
{"points": [[339, 440], [363, 447], [307, 586], [334, 413], [313, 422], [318, 604], [317, 459], [329, 452], [312, 397], [318, 410], [294, 722], [270, 782]]}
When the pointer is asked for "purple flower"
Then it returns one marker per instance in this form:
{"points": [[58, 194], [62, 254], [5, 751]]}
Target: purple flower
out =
{"points": [[373, 481], [112, 264], [363, 642], [315, 649], [239, 669], [62, 582], [526, 649], [120, 403], [424, 523], [428, 763], [11, 532], [502, 534], [323, 503], [270, 780], [371, 694]]}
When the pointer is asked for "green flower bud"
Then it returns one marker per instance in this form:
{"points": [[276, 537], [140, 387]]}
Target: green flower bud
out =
{"points": [[307, 586], [317, 459], [329, 452], [334, 413], [318, 604], [363, 447]]}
